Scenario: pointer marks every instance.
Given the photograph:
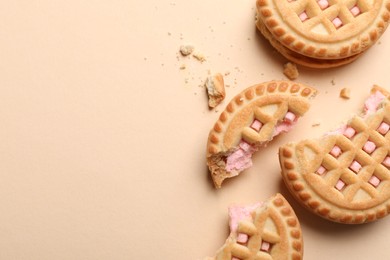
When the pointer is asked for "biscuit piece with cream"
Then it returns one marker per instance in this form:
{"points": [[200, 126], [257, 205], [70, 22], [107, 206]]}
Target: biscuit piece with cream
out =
{"points": [[252, 119], [268, 230], [344, 176]]}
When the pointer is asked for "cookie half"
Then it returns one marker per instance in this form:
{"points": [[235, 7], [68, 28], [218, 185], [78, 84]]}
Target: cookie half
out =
{"points": [[268, 230], [252, 119], [323, 33], [344, 176]]}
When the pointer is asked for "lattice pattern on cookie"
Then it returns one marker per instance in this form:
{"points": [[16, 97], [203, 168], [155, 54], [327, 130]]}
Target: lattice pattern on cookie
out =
{"points": [[265, 114], [273, 233], [344, 176], [332, 15], [352, 172], [324, 29]]}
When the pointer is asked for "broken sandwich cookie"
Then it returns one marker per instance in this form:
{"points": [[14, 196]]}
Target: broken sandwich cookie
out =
{"points": [[252, 119]]}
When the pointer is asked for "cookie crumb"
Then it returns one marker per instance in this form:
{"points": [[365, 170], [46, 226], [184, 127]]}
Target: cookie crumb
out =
{"points": [[345, 93], [316, 123], [215, 89], [200, 57], [182, 67], [186, 50], [290, 71], [333, 82]]}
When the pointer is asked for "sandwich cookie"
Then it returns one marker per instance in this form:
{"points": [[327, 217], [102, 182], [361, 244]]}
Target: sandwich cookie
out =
{"points": [[252, 119], [322, 33], [268, 230], [344, 176]]}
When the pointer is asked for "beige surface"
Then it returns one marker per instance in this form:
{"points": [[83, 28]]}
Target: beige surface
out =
{"points": [[102, 152]]}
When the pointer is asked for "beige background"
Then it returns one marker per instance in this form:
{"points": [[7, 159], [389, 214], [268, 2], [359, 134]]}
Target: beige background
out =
{"points": [[102, 136]]}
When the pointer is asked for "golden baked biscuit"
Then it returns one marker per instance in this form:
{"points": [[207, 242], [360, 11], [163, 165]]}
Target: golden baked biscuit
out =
{"points": [[344, 176], [268, 230], [252, 119], [322, 33]]}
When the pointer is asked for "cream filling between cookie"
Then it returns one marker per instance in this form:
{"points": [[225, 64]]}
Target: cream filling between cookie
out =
{"points": [[240, 213], [371, 105], [241, 158]]}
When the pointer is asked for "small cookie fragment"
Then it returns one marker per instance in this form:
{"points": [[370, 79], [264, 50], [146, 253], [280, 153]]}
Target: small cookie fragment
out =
{"points": [[290, 71], [345, 93], [215, 89], [316, 123], [199, 56], [186, 50]]}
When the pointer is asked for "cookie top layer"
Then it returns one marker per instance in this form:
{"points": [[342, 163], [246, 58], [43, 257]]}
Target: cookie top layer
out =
{"points": [[273, 232], [325, 29], [344, 176]]}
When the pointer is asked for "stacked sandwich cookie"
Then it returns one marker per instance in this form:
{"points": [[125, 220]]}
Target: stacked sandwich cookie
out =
{"points": [[323, 33]]}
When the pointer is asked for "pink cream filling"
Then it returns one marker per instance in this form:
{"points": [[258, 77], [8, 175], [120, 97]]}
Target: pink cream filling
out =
{"points": [[340, 185], [370, 106], [383, 128], [372, 103], [355, 10], [374, 181], [337, 22], [303, 16], [355, 166], [240, 213], [241, 158], [386, 162], [323, 4]]}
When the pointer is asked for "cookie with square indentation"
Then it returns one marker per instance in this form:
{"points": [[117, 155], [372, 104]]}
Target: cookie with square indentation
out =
{"points": [[268, 230], [322, 33], [252, 119], [344, 176]]}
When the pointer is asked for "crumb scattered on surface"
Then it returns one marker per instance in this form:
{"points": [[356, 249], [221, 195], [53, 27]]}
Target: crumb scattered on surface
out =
{"points": [[199, 56], [345, 93], [316, 123], [186, 50], [182, 67], [291, 71], [333, 82], [215, 89]]}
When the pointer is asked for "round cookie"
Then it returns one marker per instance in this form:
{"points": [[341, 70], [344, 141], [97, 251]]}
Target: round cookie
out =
{"points": [[323, 33], [345, 175]]}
